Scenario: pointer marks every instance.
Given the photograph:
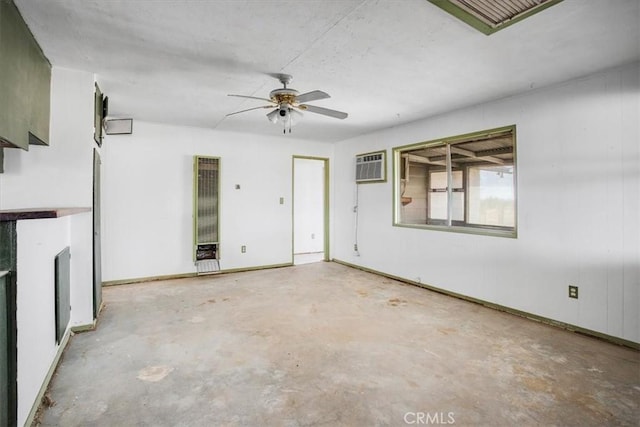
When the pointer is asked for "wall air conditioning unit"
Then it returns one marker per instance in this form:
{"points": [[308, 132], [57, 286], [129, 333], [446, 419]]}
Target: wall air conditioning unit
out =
{"points": [[371, 167]]}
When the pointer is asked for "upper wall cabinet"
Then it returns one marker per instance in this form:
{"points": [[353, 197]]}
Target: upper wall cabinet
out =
{"points": [[25, 83]]}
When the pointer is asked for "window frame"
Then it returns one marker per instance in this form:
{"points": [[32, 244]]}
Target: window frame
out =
{"points": [[486, 230]]}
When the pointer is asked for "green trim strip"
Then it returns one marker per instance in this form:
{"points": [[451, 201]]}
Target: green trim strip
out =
{"points": [[530, 316], [78, 329], [257, 267], [482, 26], [147, 279], [189, 275], [47, 379]]}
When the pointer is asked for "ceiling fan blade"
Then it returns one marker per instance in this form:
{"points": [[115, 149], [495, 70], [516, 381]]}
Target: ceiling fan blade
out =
{"points": [[324, 111], [252, 97], [248, 109], [312, 96]]}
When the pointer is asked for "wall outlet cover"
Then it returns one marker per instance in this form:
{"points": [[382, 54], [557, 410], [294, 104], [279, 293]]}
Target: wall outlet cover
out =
{"points": [[573, 291]]}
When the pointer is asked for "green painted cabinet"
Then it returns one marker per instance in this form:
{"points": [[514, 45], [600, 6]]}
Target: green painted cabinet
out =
{"points": [[25, 83]]}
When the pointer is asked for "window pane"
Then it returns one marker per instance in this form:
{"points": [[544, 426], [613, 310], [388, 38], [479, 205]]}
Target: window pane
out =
{"points": [[414, 195], [438, 199], [457, 200], [491, 196], [438, 180], [456, 176], [438, 206]]}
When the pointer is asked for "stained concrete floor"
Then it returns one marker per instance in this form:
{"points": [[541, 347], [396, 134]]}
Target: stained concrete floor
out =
{"points": [[326, 345]]}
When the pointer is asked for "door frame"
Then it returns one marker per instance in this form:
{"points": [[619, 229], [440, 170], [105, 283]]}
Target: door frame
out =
{"points": [[326, 203], [97, 234]]}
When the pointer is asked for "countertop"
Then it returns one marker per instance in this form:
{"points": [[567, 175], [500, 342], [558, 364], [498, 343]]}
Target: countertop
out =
{"points": [[39, 213]]}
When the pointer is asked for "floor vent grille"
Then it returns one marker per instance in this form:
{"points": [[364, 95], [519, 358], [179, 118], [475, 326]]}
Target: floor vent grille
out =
{"points": [[207, 266]]}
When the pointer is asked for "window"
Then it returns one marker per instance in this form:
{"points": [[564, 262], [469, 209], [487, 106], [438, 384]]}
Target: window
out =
{"points": [[463, 183]]}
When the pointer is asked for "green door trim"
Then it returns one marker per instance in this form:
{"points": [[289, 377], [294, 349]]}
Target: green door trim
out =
{"points": [[326, 204]]}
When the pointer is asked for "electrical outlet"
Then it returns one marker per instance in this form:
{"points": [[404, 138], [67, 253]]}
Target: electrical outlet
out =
{"points": [[355, 247], [573, 291], [313, 236], [282, 200], [243, 249]]}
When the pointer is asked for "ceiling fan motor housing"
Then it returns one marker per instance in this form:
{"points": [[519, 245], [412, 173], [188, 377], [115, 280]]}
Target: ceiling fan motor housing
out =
{"points": [[283, 95]]}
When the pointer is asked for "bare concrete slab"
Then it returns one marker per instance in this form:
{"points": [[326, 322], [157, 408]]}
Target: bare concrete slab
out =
{"points": [[326, 345]]}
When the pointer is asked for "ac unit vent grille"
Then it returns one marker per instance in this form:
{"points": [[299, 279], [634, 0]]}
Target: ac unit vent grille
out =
{"points": [[370, 167]]}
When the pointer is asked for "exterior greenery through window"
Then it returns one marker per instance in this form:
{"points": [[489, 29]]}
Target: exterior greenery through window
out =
{"points": [[464, 183]]}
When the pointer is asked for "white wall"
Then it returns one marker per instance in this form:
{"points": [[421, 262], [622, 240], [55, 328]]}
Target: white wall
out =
{"points": [[308, 206], [39, 241], [578, 207], [147, 193], [60, 175]]}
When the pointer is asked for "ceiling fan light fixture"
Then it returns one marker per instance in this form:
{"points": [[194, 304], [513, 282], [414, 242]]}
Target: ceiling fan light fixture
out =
{"points": [[273, 116], [287, 104]]}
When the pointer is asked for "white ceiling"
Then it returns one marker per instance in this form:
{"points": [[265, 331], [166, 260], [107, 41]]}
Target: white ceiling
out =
{"points": [[385, 62]]}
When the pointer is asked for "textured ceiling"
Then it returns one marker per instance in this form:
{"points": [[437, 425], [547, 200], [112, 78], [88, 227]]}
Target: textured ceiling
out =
{"points": [[384, 62]]}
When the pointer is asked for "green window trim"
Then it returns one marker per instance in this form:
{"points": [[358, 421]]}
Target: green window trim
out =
{"points": [[401, 158]]}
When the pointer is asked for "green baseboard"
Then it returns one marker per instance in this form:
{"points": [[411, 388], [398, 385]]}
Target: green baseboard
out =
{"points": [[567, 326], [187, 275], [47, 379], [147, 279], [84, 328]]}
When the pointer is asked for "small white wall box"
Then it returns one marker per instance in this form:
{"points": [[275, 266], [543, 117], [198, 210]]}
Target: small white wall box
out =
{"points": [[371, 167], [118, 126]]}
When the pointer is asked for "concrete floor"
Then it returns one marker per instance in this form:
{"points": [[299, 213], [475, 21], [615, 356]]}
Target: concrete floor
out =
{"points": [[326, 345]]}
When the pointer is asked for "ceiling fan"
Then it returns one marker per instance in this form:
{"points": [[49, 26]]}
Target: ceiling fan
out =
{"points": [[288, 104]]}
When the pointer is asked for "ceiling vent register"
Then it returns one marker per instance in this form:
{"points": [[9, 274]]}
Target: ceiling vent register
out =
{"points": [[489, 16]]}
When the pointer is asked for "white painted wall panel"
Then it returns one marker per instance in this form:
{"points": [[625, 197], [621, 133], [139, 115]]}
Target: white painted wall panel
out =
{"points": [[147, 188], [58, 175], [578, 174], [39, 241]]}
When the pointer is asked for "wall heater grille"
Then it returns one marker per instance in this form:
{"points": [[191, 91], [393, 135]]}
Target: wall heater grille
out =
{"points": [[206, 200], [371, 167]]}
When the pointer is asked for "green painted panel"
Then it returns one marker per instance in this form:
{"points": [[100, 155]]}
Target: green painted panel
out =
{"points": [[62, 292], [4, 353], [25, 80], [8, 241]]}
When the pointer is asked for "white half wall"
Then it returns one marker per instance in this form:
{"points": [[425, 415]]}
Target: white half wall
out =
{"points": [[148, 198], [578, 172], [39, 241]]}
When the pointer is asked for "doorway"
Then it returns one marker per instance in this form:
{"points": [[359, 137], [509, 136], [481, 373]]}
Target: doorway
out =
{"points": [[310, 209]]}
